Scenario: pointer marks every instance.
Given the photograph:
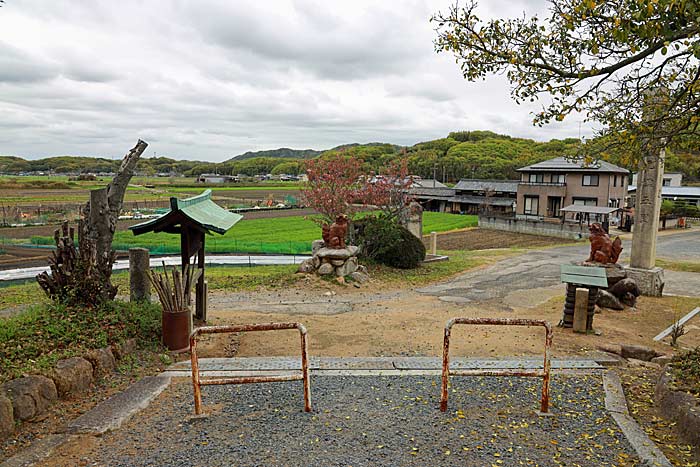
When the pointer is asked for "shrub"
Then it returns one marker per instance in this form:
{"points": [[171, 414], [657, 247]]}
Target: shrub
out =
{"points": [[388, 243]]}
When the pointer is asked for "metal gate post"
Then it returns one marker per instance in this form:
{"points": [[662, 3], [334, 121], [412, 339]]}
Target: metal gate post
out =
{"points": [[544, 373], [197, 382]]}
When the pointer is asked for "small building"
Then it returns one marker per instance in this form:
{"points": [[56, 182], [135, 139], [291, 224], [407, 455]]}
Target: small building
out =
{"points": [[686, 194], [670, 179], [216, 178], [468, 196], [547, 187], [475, 196]]}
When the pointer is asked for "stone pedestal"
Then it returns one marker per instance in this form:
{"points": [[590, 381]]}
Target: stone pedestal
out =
{"points": [[650, 281], [139, 265]]}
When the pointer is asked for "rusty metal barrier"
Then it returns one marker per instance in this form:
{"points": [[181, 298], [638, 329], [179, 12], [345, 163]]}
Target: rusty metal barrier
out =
{"points": [[544, 372], [198, 383]]}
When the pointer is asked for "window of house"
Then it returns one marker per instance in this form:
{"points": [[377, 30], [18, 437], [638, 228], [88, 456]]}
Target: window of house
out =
{"points": [[586, 201], [667, 182], [532, 205], [536, 178], [558, 178], [614, 180], [590, 180]]}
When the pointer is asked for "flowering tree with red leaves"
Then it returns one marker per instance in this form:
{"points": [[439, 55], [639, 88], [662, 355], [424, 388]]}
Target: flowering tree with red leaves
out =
{"points": [[338, 186], [333, 186]]}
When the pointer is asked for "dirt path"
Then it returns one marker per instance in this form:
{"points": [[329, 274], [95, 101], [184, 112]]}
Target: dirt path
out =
{"points": [[347, 322]]}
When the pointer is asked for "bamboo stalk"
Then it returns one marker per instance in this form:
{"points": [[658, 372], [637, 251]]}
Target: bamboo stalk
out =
{"points": [[174, 287]]}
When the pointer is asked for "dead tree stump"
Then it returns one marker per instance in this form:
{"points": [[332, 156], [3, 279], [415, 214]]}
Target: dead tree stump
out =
{"points": [[84, 276]]}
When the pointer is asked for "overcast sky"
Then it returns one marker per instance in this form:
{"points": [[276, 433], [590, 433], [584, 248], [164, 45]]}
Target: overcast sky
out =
{"points": [[212, 79]]}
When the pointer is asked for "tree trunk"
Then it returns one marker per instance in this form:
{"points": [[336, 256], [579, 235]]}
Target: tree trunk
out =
{"points": [[88, 279]]}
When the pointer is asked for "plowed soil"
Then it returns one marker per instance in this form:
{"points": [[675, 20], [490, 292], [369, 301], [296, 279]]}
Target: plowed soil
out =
{"points": [[482, 239]]}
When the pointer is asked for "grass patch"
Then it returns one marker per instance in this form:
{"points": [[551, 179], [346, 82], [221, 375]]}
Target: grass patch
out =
{"points": [[21, 294], [460, 261], [34, 184], [684, 266], [278, 235], [33, 341], [444, 222], [234, 278]]}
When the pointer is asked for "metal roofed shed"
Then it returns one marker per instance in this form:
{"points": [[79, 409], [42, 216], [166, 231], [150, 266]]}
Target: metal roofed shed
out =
{"points": [[590, 209], [192, 218], [583, 214]]}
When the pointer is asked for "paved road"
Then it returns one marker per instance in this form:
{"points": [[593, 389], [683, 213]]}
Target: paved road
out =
{"points": [[211, 260], [512, 281]]}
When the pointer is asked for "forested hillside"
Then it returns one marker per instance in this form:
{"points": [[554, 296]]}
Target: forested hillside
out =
{"points": [[284, 153], [463, 154]]}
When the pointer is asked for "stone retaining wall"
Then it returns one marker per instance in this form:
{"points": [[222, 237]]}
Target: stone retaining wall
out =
{"points": [[679, 407], [534, 227], [29, 397]]}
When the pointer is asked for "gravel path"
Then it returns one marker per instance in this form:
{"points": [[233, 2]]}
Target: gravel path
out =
{"points": [[373, 421]]}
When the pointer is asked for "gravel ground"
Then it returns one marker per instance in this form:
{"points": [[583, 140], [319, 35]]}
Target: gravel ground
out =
{"points": [[374, 421]]}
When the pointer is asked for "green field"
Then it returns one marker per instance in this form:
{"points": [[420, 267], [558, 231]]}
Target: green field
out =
{"points": [[282, 235]]}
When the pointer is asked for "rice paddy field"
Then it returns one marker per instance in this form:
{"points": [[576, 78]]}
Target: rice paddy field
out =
{"points": [[281, 235]]}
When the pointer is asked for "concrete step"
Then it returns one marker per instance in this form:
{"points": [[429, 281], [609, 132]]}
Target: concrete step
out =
{"points": [[378, 363]]}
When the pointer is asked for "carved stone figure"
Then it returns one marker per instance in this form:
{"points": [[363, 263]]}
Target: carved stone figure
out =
{"points": [[334, 235], [603, 250]]}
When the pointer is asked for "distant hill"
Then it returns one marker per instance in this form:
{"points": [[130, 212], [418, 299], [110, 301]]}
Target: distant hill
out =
{"points": [[461, 154], [282, 153]]}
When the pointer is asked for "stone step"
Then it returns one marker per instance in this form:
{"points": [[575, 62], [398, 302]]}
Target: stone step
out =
{"points": [[110, 414], [377, 363]]}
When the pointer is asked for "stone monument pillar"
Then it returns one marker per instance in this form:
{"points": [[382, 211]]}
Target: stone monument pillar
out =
{"points": [[642, 269], [139, 265], [415, 219]]}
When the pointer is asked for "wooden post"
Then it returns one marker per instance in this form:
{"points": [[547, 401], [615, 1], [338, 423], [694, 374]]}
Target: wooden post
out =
{"points": [[201, 311], [433, 243], [139, 283], [185, 247], [581, 310]]}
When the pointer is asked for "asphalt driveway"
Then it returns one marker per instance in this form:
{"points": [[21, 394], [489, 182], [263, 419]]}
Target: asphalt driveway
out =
{"points": [[534, 277]]}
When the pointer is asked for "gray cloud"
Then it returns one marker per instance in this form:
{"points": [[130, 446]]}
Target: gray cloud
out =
{"points": [[18, 66], [214, 78]]}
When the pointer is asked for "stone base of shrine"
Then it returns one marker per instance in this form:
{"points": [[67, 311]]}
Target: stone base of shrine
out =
{"points": [[650, 281]]}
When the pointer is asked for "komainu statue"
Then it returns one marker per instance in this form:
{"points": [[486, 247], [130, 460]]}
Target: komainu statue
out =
{"points": [[334, 234], [603, 250]]}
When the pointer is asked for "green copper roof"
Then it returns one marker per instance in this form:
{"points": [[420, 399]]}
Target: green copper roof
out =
{"points": [[199, 210]]}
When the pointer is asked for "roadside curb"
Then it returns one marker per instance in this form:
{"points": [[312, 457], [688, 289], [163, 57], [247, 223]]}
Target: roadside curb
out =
{"points": [[37, 452], [616, 404], [110, 414], [105, 416]]}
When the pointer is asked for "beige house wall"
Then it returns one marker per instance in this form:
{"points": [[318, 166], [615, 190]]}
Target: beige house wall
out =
{"points": [[602, 193]]}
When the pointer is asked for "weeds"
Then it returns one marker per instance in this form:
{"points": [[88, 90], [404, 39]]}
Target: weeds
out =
{"points": [[34, 340], [687, 370]]}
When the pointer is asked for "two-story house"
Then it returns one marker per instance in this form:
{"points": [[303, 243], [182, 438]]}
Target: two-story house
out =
{"points": [[547, 187]]}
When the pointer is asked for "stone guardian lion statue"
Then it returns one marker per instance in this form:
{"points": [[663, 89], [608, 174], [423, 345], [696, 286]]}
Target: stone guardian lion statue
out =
{"points": [[334, 234], [603, 250]]}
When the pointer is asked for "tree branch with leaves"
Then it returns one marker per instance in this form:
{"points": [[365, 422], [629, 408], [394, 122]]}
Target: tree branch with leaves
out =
{"points": [[601, 58]]}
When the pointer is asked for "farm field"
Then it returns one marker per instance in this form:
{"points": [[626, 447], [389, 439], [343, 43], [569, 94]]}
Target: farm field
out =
{"points": [[35, 199], [289, 235]]}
